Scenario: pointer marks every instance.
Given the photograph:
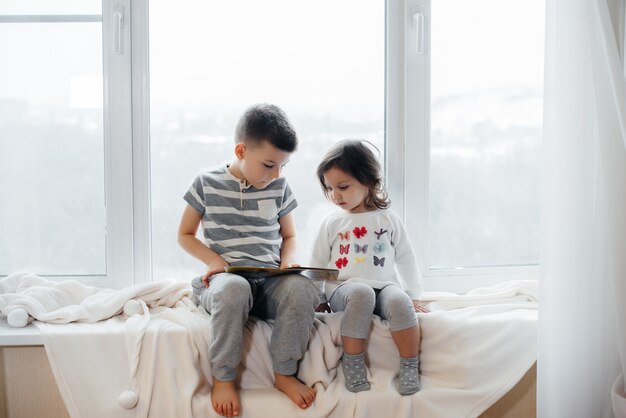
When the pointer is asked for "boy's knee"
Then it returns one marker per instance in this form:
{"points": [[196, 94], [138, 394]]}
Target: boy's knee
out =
{"points": [[197, 285], [301, 291], [234, 293]]}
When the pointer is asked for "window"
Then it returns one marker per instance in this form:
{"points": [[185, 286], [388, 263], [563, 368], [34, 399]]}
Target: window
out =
{"points": [[59, 136], [473, 197], [107, 119], [53, 216], [209, 60]]}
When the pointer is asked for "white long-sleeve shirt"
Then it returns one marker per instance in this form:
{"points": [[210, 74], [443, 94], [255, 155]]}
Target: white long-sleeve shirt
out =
{"points": [[371, 246]]}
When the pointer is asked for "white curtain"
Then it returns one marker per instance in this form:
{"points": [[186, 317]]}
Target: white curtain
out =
{"points": [[582, 317]]}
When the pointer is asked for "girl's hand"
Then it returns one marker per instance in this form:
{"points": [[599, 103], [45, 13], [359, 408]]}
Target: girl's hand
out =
{"points": [[419, 308], [213, 269], [323, 307]]}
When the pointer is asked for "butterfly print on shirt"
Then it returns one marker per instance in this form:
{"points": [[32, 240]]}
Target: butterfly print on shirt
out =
{"points": [[341, 262], [380, 247], [344, 235], [343, 249], [380, 233], [359, 232], [360, 248], [359, 259], [379, 261]]}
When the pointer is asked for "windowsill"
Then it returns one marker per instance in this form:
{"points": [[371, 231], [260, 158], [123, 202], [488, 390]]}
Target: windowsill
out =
{"points": [[462, 281], [10, 336]]}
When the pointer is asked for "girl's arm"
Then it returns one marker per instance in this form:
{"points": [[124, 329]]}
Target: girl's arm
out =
{"points": [[406, 263], [187, 239], [288, 247]]}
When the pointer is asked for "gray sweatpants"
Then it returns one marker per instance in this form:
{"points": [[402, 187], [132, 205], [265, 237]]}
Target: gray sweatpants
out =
{"points": [[359, 301], [290, 300]]}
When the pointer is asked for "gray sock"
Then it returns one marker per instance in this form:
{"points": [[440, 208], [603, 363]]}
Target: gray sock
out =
{"points": [[355, 372], [409, 378]]}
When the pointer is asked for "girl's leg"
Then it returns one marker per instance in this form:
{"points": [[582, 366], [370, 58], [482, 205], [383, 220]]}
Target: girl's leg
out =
{"points": [[357, 300], [394, 305], [407, 341]]}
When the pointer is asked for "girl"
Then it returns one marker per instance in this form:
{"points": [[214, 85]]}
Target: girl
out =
{"points": [[377, 268]]}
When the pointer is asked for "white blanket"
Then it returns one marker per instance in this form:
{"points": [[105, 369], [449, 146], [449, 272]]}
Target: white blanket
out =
{"points": [[475, 348]]}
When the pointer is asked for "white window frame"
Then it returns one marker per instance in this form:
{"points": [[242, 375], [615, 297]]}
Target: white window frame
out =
{"points": [[118, 144], [126, 145], [622, 30], [407, 123], [142, 213]]}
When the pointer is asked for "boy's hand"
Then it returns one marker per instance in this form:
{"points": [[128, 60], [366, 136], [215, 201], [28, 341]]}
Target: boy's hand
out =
{"points": [[419, 308], [213, 269]]}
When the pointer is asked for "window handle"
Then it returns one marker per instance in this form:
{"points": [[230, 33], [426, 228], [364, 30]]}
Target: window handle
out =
{"points": [[118, 29], [417, 23]]}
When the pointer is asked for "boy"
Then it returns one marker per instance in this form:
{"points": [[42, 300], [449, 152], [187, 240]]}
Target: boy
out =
{"points": [[245, 210]]}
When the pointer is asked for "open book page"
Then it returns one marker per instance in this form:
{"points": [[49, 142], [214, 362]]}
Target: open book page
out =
{"points": [[314, 273]]}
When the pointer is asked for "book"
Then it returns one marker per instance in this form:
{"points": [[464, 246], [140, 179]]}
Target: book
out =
{"points": [[314, 273]]}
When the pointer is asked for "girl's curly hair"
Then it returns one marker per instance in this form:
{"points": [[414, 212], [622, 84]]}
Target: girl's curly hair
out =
{"points": [[353, 157]]}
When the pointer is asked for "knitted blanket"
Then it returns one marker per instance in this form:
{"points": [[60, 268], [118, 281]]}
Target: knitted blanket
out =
{"points": [[147, 353]]}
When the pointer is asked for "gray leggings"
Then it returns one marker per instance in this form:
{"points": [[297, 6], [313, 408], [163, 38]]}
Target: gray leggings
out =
{"points": [[290, 300], [359, 301]]}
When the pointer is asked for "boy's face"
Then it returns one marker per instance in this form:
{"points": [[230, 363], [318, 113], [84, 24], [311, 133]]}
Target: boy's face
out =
{"points": [[259, 164]]}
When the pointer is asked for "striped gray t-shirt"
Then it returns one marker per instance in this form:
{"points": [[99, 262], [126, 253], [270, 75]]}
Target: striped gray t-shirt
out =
{"points": [[240, 222]]}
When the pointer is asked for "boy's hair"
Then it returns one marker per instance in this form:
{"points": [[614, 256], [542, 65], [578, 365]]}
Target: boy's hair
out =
{"points": [[266, 122], [353, 157]]}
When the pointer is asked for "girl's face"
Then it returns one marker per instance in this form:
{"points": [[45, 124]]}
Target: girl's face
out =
{"points": [[345, 191]]}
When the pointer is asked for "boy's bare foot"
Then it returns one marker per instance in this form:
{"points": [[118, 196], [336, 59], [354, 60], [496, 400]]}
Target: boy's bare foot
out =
{"points": [[225, 398], [302, 395]]}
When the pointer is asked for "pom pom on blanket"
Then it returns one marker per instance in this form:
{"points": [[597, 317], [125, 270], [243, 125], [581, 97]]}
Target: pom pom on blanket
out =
{"points": [[133, 307], [18, 318], [128, 399]]}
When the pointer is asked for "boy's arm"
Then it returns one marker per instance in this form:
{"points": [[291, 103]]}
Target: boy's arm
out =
{"points": [[288, 233], [321, 252], [189, 242]]}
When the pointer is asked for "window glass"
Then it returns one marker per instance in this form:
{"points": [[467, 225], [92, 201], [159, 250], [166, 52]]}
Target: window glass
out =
{"points": [[51, 139], [47, 7], [210, 60], [486, 116]]}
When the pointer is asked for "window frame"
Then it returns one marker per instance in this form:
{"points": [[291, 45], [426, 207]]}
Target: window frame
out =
{"points": [[118, 146], [142, 213], [622, 31], [126, 147]]}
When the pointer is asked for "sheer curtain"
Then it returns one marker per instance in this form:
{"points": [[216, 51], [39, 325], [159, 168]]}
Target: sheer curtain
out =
{"points": [[582, 318]]}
